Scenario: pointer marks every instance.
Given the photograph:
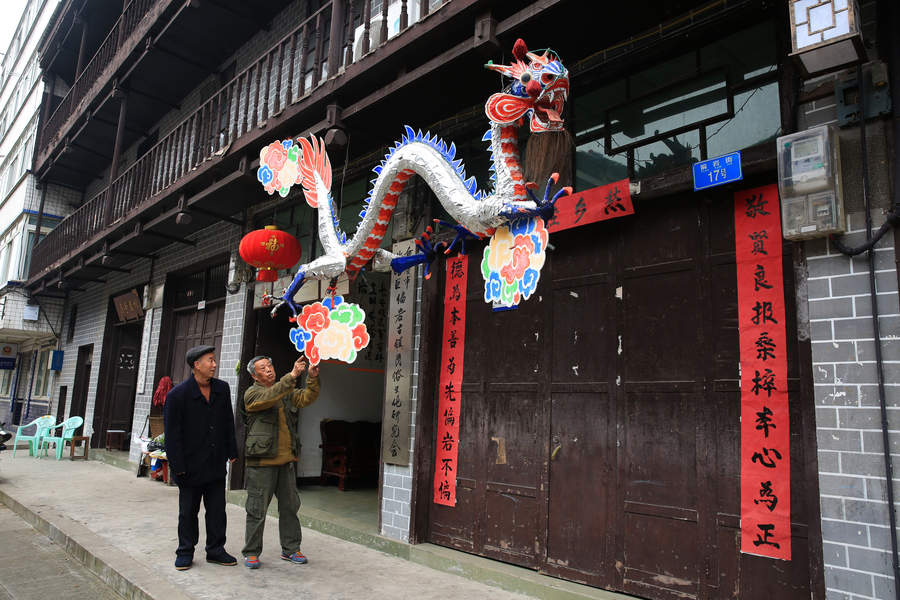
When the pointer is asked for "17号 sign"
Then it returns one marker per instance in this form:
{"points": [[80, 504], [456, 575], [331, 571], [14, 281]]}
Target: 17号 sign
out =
{"points": [[718, 171]]}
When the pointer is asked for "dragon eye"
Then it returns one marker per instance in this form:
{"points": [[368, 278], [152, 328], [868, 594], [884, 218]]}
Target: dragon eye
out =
{"points": [[525, 77], [547, 78]]}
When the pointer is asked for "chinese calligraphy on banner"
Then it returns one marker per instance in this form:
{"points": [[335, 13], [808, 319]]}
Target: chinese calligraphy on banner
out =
{"points": [[765, 435], [596, 204], [398, 364], [453, 349]]}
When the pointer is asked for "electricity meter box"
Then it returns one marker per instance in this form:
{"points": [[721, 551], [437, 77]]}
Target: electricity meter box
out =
{"points": [[809, 182]]}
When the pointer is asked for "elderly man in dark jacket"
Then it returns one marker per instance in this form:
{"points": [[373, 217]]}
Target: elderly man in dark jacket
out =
{"points": [[199, 442]]}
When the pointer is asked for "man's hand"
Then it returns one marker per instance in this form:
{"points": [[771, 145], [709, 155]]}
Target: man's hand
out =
{"points": [[231, 460], [299, 367], [314, 371]]}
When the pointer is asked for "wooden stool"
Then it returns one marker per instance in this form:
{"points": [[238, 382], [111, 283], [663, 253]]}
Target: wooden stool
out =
{"points": [[117, 435], [86, 444]]}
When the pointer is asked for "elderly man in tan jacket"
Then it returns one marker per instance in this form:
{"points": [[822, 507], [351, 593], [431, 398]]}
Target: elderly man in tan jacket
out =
{"points": [[270, 411]]}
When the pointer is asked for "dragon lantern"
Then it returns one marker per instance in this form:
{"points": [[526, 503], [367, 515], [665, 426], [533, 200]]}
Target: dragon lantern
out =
{"points": [[508, 210]]}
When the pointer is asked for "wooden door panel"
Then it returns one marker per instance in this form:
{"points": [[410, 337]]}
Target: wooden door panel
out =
{"points": [[661, 337], [581, 332], [513, 467], [582, 482]]}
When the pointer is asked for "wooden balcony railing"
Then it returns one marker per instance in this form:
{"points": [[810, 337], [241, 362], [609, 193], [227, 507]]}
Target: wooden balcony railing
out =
{"points": [[93, 72], [282, 76]]}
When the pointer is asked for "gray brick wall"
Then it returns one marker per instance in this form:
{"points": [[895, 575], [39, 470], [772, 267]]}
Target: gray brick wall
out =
{"points": [[855, 530], [91, 318], [396, 488]]}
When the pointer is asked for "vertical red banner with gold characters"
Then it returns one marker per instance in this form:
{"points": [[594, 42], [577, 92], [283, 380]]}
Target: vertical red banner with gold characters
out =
{"points": [[765, 421], [453, 349]]}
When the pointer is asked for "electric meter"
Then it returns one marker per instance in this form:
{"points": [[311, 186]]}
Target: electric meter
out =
{"points": [[809, 181]]}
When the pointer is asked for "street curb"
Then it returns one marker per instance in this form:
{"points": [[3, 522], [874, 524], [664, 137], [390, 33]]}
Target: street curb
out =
{"points": [[126, 576]]}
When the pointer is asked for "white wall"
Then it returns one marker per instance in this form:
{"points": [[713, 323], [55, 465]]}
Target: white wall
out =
{"points": [[347, 395]]}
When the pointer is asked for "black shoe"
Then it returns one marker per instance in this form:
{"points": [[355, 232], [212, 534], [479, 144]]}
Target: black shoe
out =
{"points": [[221, 558], [183, 563]]}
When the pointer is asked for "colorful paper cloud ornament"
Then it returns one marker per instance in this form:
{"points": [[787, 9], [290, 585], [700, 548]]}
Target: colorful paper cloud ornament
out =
{"points": [[512, 262], [331, 328], [278, 168]]}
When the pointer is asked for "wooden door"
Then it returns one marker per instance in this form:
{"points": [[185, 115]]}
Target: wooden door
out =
{"points": [[615, 390], [192, 327], [114, 407], [82, 377]]}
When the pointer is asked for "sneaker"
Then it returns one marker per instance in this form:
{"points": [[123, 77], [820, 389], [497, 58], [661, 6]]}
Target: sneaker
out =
{"points": [[296, 557], [221, 558], [183, 563]]}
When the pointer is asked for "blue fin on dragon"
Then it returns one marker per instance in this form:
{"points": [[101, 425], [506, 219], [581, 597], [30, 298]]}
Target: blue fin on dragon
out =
{"points": [[510, 212]]}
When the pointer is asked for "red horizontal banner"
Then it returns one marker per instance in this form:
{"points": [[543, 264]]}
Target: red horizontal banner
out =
{"points": [[596, 204], [765, 421]]}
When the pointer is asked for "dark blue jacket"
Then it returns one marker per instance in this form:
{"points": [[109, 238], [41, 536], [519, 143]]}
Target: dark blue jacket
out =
{"points": [[199, 434]]}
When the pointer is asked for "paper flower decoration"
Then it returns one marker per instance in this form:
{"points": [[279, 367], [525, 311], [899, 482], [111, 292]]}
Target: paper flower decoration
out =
{"points": [[512, 262], [278, 167], [331, 328]]}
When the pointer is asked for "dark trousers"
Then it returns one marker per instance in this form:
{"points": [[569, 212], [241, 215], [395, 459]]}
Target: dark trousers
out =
{"points": [[213, 496]]}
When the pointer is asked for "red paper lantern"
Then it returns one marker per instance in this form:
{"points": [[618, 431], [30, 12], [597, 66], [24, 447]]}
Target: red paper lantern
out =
{"points": [[269, 250]]}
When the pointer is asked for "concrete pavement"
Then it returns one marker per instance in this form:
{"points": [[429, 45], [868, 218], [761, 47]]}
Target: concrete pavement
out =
{"points": [[32, 567], [124, 530]]}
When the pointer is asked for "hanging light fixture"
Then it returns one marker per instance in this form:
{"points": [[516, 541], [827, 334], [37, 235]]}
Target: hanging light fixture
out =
{"points": [[269, 250], [825, 34]]}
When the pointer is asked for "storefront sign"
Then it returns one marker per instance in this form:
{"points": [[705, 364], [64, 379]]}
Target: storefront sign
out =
{"points": [[596, 204], [128, 306], [8, 353], [717, 171], [765, 422], [398, 364], [449, 396]]}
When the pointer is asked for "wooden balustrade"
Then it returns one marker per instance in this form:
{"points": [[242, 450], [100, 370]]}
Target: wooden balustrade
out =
{"points": [[91, 74], [275, 80]]}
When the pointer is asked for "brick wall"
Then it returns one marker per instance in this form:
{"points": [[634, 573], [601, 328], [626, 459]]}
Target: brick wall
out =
{"points": [[396, 486], [854, 509], [91, 319]]}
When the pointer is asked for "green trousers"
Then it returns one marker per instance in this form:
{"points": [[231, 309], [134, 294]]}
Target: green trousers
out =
{"points": [[262, 483]]}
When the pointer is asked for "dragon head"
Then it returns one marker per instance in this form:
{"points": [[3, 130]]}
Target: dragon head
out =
{"points": [[539, 89]]}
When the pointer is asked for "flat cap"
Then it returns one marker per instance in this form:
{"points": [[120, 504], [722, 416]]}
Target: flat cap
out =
{"points": [[196, 352]]}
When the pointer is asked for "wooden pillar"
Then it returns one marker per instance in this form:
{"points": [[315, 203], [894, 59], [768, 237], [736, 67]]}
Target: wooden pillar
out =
{"points": [[37, 226], [82, 47], [117, 153], [335, 40], [120, 132]]}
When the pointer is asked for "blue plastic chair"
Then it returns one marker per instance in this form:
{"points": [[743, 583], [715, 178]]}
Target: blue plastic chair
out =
{"points": [[68, 428], [41, 425]]}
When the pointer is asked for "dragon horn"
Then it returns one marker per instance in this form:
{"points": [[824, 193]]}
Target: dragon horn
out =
{"points": [[520, 49]]}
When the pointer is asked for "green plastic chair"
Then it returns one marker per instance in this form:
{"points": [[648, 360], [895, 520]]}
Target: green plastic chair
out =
{"points": [[41, 425], [68, 430]]}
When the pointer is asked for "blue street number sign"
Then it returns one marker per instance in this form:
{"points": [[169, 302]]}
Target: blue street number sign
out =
{"points": [[717, 171]]}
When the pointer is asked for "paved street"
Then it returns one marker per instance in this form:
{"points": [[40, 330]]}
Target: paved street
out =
{"points": [[34, 568], [128, 527]]}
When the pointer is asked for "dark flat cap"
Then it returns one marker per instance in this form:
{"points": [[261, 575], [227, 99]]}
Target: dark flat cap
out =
{"points": [[196, 352]]}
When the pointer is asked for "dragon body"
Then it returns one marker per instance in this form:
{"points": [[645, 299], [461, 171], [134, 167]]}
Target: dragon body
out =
{"points": [[538, 92]]}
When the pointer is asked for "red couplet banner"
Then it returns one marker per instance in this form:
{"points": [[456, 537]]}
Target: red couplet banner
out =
{"points": [[596, 204], [765, 422], [453, 349]]}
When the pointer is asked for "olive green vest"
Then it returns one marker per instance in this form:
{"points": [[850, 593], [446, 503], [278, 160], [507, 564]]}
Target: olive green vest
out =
{"points": [[262, 428]]}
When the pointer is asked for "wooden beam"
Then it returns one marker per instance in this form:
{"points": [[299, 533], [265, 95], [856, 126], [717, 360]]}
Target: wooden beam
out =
{"points": [[155, 98], [173, 238]]}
